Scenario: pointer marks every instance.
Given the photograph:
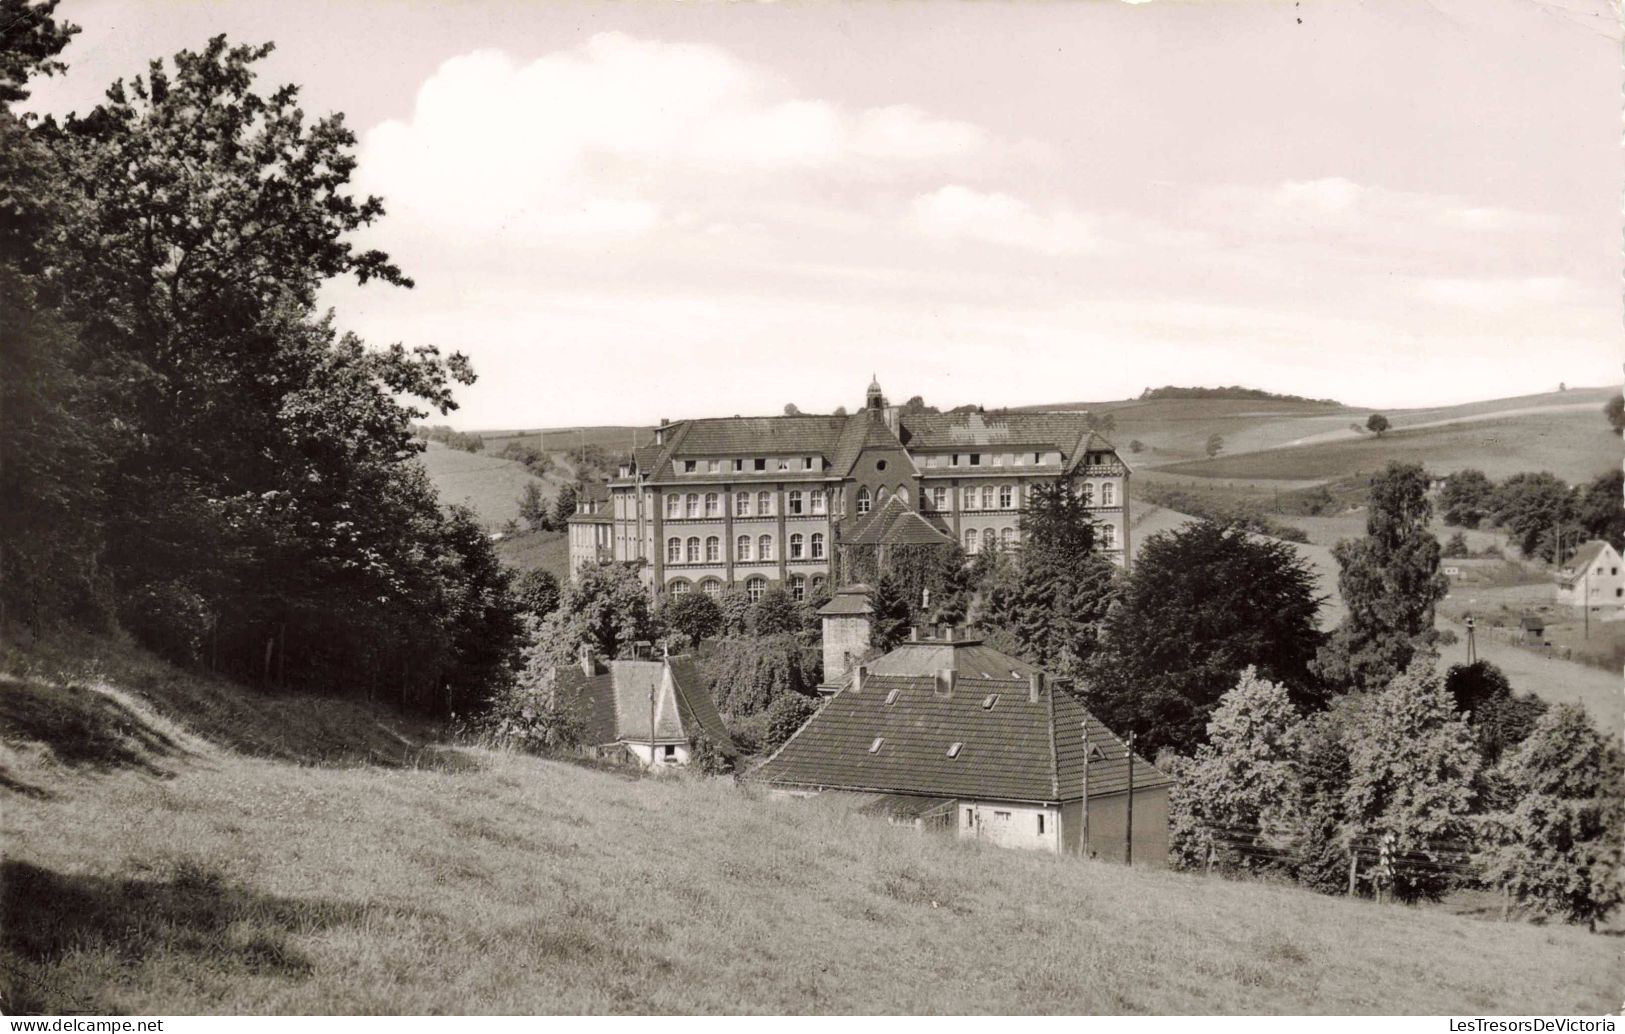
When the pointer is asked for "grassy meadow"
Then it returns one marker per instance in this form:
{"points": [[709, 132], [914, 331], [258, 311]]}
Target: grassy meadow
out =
{"points": [[537, 550], [158, 865], [486, 483]]}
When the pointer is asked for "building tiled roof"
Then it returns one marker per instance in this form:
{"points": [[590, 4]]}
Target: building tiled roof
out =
{"points": [[745, 436], [848, 601], [1581, 561], [865, 430], [1010, 747], [893, 524], [613, 705], [1066, 431], [601, 517]]}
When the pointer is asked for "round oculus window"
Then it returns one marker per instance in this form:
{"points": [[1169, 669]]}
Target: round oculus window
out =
{"points": [[880, 464]]}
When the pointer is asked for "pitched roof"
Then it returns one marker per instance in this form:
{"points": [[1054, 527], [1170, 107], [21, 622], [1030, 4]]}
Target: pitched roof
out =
{"points": [[614, 706], [893, 524], [865, 430], [848, 601], [1581, 561], [732, 436], [967, 657], [1067, 431], [1010, 747]]}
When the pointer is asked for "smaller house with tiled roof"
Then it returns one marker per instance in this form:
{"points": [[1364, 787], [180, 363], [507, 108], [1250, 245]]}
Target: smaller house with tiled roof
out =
{"points": [[650, 711], [999, 750], [1591, 577]]}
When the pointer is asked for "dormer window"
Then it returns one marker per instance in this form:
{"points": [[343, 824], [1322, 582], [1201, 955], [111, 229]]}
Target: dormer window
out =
{"points": [[759, 464], [976, 459], [688, 466]]}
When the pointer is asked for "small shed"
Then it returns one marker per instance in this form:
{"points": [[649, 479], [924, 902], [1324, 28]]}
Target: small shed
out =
{"points": [[1532, 629]]}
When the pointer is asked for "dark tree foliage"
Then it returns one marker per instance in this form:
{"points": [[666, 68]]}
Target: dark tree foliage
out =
{"points": [[1533, 508], [564, 507], [239, 487], [1614, 411], [1500, 719], [610, 601], [1055, 604], [1389, 581], [1467, 498], [1599, 508], [894, 613], [787, 714], [746, 675], [537, 592], [532, 507], [776, 613], [1203, 604], [693, 615], [1377, 424], [30, 40]]}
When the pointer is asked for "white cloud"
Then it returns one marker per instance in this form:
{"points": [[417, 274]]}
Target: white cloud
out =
{"points": [[610, 136], [1498, 294], [959, 213]]}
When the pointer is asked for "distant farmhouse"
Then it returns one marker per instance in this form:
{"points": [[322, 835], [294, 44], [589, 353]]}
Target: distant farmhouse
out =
{"points": [[1591, 577], [945, 731], [750, 502], [649, 711]]}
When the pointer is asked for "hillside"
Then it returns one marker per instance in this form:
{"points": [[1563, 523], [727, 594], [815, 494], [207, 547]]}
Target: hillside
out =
{"points": [[537, 550], [485, 483], [185, 875]]}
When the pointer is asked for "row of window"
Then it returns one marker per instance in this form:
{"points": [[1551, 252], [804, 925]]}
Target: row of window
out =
{"points": [[693, 551], [755, 586], [1006, 538], [761, 463], [796, 502]]}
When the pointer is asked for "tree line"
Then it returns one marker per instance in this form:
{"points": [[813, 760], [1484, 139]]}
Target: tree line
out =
{"points": [[192, 450], [1542, 516]]}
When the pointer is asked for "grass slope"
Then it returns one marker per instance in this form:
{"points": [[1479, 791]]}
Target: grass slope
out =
{"points": [[531, 550], [490, 486], [152, 869]]}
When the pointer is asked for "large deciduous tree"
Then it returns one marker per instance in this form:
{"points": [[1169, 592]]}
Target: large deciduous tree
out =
{"points": [[1203, 604], [1389, 581], [1536, 509], [1467, 498], [1555, 842]]}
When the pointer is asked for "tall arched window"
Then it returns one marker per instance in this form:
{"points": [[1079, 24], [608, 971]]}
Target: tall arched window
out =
{"points": [[741, 504], [764, 548], [987, 497], [755, 587], [691, 505], [713, 549], [678, 587], [902, 493], [1007, 497], [711, 587], [713, 505], [970, 540], [674, 551], [970, 498], [818, 545], [817, 500], [798, 587], [1086, 492], [742, 548], [863, 499], [793, 502], [764, 504], [674, 506], [1007, 538], [1108, 536], [797, 544], [1108, 494], [694, 550]]}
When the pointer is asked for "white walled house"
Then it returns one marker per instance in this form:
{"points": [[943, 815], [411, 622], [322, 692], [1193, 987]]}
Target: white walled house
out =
{"points": [[983, 744], [1592, 577], [648, 711]]}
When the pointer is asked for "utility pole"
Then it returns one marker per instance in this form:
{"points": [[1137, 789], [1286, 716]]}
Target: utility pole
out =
{"points": [[1128, 824], [1472, 643], [1084, 846]]}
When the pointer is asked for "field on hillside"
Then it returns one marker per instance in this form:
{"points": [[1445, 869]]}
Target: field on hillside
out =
{"points": [[483, 482], [612, 439], [1576, 445], [182, 876], [537, 550]]}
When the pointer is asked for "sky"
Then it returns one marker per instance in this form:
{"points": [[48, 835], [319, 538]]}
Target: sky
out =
{"points": [[632, 210]]}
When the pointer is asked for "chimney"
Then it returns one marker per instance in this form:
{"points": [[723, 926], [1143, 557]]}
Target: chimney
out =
{"points": [[947, 633], [946, 678], [914, 633], [859, 674], [589, 663], [1035, 687], [660, 432]]}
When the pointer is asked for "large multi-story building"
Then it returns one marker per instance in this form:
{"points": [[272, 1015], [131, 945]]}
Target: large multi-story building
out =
{"points": [[749, 502]]}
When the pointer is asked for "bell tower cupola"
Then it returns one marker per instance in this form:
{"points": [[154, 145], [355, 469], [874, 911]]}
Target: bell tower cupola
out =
{"points": [[875, 398]]}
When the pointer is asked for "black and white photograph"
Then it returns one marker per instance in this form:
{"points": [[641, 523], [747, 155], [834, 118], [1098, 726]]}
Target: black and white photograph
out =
{"points": [[601, 509]]}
